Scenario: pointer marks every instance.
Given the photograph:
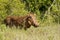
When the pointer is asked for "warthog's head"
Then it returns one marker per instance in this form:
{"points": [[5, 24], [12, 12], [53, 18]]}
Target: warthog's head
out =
{"points": [[32, 20]]}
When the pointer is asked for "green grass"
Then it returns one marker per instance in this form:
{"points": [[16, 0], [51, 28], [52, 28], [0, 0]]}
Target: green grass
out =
{"points": [[51, 32]]}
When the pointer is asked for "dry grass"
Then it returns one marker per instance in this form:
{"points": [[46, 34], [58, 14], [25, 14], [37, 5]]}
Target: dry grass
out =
{"points": [[40, 33]]}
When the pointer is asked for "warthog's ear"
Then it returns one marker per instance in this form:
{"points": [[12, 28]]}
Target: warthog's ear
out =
{"points": [[29, 20]]}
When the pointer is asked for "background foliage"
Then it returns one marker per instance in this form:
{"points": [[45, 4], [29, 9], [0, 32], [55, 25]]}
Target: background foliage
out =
{"points": [[45, 9]]}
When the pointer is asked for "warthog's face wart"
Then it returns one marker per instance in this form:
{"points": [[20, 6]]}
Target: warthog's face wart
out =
{"points": [[32, 20]]}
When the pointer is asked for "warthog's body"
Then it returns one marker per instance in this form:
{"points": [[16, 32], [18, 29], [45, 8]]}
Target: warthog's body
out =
{"points": [[23, 21]]}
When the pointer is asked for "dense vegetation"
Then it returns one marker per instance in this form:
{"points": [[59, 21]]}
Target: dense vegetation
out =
{"points": [[45, 9], [48, 14]]}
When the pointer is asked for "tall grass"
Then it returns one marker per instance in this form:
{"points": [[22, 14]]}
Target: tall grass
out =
{"points": [[51, 32]]}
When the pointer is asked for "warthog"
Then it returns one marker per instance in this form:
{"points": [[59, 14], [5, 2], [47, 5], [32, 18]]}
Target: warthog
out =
{"points": [[23, 21]]}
